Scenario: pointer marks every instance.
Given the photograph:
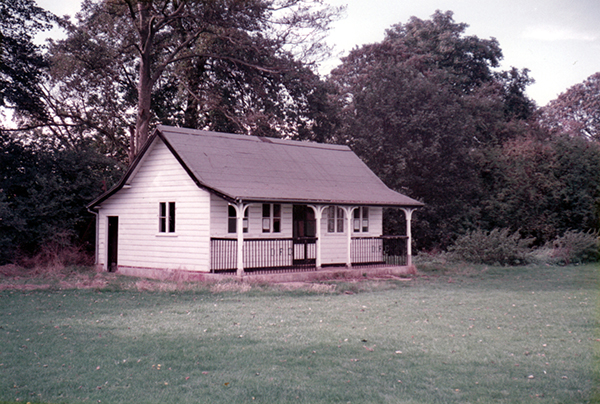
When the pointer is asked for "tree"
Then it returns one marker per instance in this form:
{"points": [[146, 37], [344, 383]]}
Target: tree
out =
{"points": [[542, 187], [43, 194], [221, 65], [577, 110], [514, 83], [419, 106], [439, 44], [227, 96], [21, 61]]}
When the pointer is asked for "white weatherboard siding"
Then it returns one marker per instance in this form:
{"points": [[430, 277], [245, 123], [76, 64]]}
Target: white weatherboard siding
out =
{"points": [[334, 245], [219, 218], [219, 209], [257, 253], [159, 178]]}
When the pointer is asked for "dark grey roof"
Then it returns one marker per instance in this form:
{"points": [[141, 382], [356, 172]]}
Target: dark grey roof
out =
{"points": [[250, 168]]}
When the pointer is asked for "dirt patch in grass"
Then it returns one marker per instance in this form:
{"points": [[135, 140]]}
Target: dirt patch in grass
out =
{"points": [[13, 277], [79, 281], [230, 287], [311, 287], [10, 286]]}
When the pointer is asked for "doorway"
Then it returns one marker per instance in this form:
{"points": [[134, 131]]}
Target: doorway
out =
{"points": [[112, 248], [304, 232]]}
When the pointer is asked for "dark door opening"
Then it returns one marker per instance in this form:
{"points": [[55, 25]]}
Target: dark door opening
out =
{"points": [[113, 243], [304, 233]]}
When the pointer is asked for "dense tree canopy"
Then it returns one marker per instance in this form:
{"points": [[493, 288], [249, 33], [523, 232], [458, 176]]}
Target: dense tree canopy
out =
{"points": [[237, 66], [44, 193], [542, 187], [21, 61], [577, 110], [417, 106]]}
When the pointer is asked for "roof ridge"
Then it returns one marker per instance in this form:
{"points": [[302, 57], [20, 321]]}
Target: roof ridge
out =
{"points": [[303, 173], [254, 138]]}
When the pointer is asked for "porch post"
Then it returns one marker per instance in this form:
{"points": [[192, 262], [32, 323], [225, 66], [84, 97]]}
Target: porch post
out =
{"points": [[239, 210], [408, 215], [318, 209], [349, 210]]}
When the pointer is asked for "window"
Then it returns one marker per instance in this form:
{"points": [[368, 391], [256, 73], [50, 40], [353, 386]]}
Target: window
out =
{"points": [[276, 218], [331, 219], [166, 217], [361, 219], [340, 220], [335, 219], [267, 218], [232, 220]]}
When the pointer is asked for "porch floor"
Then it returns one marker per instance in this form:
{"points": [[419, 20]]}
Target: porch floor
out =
{"points": [[271, 276]]}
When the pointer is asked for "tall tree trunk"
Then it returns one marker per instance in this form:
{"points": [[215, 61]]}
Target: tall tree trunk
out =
{"points": [[193, 73], [146, 82]]}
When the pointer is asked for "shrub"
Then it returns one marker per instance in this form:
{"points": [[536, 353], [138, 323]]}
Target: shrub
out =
{"points": [[44, 192], [497, 247], [56, 255], [576, 247]]}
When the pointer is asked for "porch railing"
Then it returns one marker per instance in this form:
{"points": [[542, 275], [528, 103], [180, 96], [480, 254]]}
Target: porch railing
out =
{"points": [[305, 251], [223, 254], [384, 250], [289, 253], [271, 253], [268, 253]]}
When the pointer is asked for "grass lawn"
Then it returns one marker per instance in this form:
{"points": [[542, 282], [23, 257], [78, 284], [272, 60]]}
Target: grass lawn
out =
{"points": [[509, 335]]}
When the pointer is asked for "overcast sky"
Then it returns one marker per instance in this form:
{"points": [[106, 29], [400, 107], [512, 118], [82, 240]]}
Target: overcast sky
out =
{"points": [[558, 40]]}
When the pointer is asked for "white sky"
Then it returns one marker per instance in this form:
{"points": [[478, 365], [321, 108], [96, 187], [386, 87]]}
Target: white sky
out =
{"points": [[558, 40]]}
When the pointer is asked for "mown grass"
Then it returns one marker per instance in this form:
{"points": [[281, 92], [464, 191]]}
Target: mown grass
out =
{"points": [[502, 335]]}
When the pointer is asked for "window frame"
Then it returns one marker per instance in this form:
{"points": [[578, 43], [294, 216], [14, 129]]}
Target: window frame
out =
{"points": [[336, 216], [271, 218], [167, 217], [360, 220], [232, 220]]}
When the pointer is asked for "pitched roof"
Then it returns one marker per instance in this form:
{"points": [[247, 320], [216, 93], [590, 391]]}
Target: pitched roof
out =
{"points": [[257, 169]]}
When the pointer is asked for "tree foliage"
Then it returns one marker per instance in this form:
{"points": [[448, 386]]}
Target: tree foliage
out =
{"points": [[577, 110], [417, 107], [21, 61], [427, 109], [542, 187], [43, 194], [223, 65]]}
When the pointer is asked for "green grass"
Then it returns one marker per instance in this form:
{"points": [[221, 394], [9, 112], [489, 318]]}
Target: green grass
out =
{"points": [[501, 335]]}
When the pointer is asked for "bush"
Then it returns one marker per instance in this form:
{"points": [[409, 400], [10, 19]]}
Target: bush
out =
{"points": [[576, 247], [497, 247], [56, 255], [43, 195]]}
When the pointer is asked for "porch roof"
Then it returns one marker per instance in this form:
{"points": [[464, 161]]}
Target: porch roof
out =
{"points": [[250, 168]]}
